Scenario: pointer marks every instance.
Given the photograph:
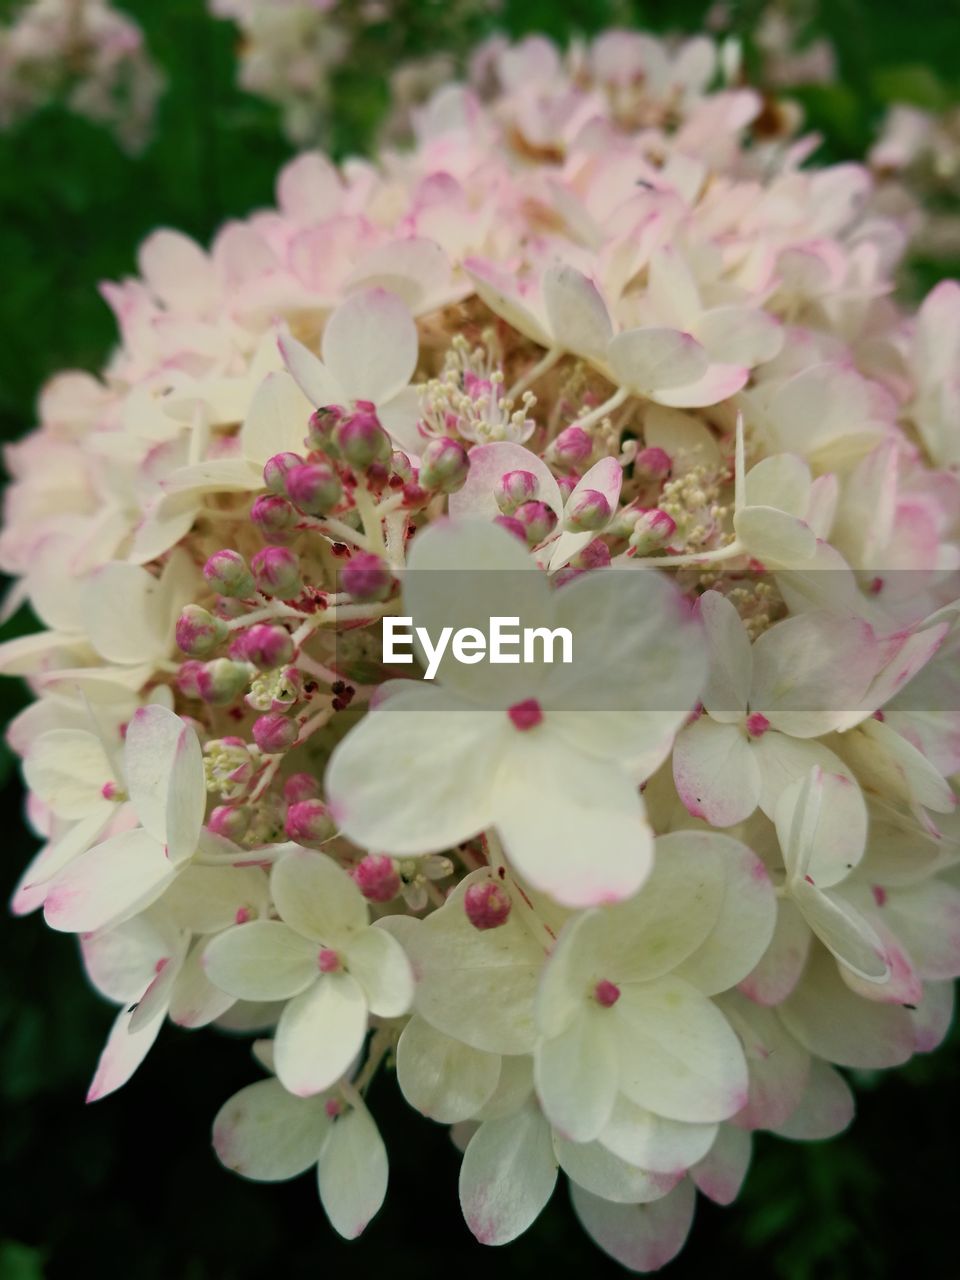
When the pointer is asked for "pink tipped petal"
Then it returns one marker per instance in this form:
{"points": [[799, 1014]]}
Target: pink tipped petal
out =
{"points": [[352, 1172], [508, 1174], [642, 1237]]}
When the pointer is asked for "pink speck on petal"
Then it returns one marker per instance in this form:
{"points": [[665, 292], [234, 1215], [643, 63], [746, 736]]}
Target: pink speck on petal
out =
{"points": [[757, 724], [243, 915], [161, 964], [328, 961], [606, 993], [526, 715], [108, 790], [332, 1107], [879, 894]]}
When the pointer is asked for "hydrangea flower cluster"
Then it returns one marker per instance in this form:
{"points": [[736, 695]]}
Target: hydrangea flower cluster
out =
{"points": [[85, 53], [598, 324]]}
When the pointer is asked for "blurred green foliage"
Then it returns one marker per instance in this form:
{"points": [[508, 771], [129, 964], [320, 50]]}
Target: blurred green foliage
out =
{"points": [[129, 1188]]}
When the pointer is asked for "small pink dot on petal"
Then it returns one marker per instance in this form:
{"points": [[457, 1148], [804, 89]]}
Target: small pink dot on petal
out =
{"points": [[757, 725], [606, 993], [526, 715], [328, 961]]}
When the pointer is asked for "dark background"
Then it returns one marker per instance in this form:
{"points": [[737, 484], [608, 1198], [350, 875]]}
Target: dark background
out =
{"points": [[129, 1187]]}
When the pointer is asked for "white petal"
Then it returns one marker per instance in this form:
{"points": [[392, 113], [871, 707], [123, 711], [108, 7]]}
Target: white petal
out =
{"points": [[311, 375], [320, 1033], [370, 345], [207, 899], [488, 463], [261, 960], [123, 961], [926, 919], [576, 1074], [779, 1067], [108, 884], [577, 313], [442, 1078], [739, 335], [654, 360], [124, 1051], [678, 1054], [400, 418], [826, 1109], [267, 1134], [600, 1172], [164, 767], [652, 1142], [315, 897], [780, 968], [781, 481], [507, 1176], [718, 383], [195, 1001], [774, 538], [276, 421], [720, 1174], [822, 827], [643, 1237], [397, 781], [716, 772], [67, 769], [352, 1173], [843, 931], [380, 965], [731, 661]]}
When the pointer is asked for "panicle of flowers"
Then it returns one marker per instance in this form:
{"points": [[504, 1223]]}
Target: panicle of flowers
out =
{"points": [[601, 354]]}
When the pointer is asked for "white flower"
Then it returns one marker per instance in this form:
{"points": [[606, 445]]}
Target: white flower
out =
{"points": [[324, 958], [437, 764]]}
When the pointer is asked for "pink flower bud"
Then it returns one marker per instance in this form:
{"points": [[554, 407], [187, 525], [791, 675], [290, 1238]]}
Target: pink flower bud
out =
{"points": [[444, 465], [230, 820], [361, 439], [652, 463], [274, 733], [377, 877], [366, 577], [226, 571], [538, 521], [221, 681], [266, 646], [757, 724], [328, 961], [314, 488], [276, 571], [595, 555], [487, 905], [512, 525], [300, 786], [308, 823], [322, 426], [571, 449], [525, 715], [274, 518], [401, 467], [188, 678], [606, 993], [566, 484], [198, 632], [275, 471], [514, 488], [588, 512], [653, 530]]}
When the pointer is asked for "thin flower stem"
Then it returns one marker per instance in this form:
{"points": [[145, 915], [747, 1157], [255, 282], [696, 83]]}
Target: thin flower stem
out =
{"points": [[693, 558], [534, 372], [369, 515], [602, 410]]}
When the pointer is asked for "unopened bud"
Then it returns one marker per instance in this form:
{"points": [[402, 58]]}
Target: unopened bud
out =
{"points": [[595, 555], [230, 820], [227, 573], [300, 786], [308, 823], [314, 488], [652, 463], [571, 449], [538, 521], [487, 905], [198, 632], [266, 646], [444, 465], [366, 577], [276, 571], [274, 518], [275, 471], [401, 467], [322, 427], [221, 681], [361, 439], [514, 488], [377, 877], [588, 512], [274, 733], [653, 530]]}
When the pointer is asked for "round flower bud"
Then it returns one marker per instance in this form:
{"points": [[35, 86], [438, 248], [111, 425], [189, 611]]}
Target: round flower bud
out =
{"points": [[274, 733], [275, 471], [571, 449], [276, 571], [588, 512], [221, 681], [444, 465], [308, 823], [230, 820], [274, 518], [538, 521], [487, 905], [514, 488], [266, 646], [361, 439], [653, 530], [512, 525], [198, 632], [227, 573], [377, 877], [401, 467], [652, 463], [595, 555], [322, 427], [300, 786], [314, 488], [366, 577]]}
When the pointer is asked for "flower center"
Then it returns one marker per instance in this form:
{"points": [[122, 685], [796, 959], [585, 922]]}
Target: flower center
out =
{"points": [[526, 715], [757, 725], [606, 993], [328, 961]]}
